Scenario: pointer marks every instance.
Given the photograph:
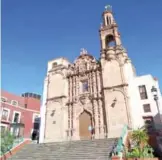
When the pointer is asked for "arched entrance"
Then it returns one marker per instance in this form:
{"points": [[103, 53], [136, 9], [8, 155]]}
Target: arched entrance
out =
{"points": [[85, 120]]}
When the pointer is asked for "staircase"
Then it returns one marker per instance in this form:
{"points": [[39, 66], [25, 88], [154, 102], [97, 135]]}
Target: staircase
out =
{"points": [[73, 150]]}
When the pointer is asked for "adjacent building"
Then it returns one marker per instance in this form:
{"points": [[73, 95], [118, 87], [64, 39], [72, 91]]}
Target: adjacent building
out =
{"points": [[145, 108], [92, 98], [20, 114]]}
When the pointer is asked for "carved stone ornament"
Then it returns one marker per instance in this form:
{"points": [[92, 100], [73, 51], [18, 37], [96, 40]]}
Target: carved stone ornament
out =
{"points": [[89, 108], [82, 67], [78, 111], [110, 57], [82, 100], [85, 99]]}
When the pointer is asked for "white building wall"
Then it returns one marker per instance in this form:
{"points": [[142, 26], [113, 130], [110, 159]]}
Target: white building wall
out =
{"points": [[136, 102], [64, 62], [129, 75], [59, 61], [43, 112]]}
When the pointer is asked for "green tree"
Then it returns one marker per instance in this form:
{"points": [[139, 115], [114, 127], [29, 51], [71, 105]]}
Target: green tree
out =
{"points": [[141, 148], [140, 137], [7, 140]]}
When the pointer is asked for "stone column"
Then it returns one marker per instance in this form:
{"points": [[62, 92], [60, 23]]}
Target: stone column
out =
{"points": [[70, 88], [94, 84], [90, 83], [73, 88], [99, 83], [76, 87], [101, 119], [96, 120], [70, 116], [68, 133], [72, 107], [91, 93], [75, 93]]}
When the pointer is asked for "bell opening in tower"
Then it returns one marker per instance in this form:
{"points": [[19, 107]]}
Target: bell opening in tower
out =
{"points": [[110, 41]]}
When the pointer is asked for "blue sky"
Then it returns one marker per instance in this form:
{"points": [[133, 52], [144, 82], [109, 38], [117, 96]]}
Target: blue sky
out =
{"points": [[36, 31]]}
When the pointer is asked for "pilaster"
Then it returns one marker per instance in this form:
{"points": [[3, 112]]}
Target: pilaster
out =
{"points": [[101, 119], [94, 84], [96, 120]]}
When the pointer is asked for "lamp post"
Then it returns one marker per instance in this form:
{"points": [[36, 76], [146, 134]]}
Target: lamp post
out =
{"points": [[154, 93]]}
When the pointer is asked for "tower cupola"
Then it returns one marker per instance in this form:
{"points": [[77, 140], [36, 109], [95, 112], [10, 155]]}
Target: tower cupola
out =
{"points": [[109, 34]]}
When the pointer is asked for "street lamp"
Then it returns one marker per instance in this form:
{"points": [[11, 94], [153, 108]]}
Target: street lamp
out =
{"points": [[154, 93]]}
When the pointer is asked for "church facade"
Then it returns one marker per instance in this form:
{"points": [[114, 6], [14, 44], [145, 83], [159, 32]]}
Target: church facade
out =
{"points": [[89, 98]]}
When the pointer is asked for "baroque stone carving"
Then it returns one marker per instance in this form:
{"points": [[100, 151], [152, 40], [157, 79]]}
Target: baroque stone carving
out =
{"points": [[85, 98]]}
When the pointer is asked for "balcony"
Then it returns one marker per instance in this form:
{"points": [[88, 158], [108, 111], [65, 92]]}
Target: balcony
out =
{"points": [[17, 128]]}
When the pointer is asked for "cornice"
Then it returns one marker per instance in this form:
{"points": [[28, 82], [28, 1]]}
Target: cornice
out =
{"points": [[56, 98], [86, 72], [116, 86]]}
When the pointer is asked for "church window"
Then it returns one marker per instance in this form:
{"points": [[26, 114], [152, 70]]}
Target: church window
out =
{"points": [[85, 86], [54, 64], [3, 99], [14, 103], [147, 108]]}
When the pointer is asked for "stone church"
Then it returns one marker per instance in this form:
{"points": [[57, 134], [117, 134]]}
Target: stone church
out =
{"points": [[89, 98]]}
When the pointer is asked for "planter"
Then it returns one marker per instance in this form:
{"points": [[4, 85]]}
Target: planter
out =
{"points": [[115, 158], [118, 158], [140, 158]]}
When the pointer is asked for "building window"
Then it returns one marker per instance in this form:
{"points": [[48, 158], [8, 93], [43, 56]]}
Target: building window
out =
{"points": [[54, 64], [36, 121], [26, 106], [3, 99], [146, 108], [36, 118], [5, 114], [143, 92], [14, 103], [85, 86], [3, 128], [16, 118]]}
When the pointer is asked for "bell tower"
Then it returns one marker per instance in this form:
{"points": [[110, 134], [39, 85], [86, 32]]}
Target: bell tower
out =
{"points": [[109, 34], [117, 71]]}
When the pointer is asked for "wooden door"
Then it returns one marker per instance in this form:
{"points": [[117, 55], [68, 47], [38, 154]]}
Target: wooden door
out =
{"points": [[85, 121]]}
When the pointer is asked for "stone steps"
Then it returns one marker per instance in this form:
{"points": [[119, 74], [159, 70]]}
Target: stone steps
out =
{"points": [[73, 150]]}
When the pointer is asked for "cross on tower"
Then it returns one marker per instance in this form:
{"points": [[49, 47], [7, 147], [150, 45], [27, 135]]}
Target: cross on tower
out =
{"points": [[83, 51], [108, 8]]}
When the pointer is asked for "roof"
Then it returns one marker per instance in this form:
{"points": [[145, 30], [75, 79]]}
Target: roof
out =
{"points": [[11, 96]]}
